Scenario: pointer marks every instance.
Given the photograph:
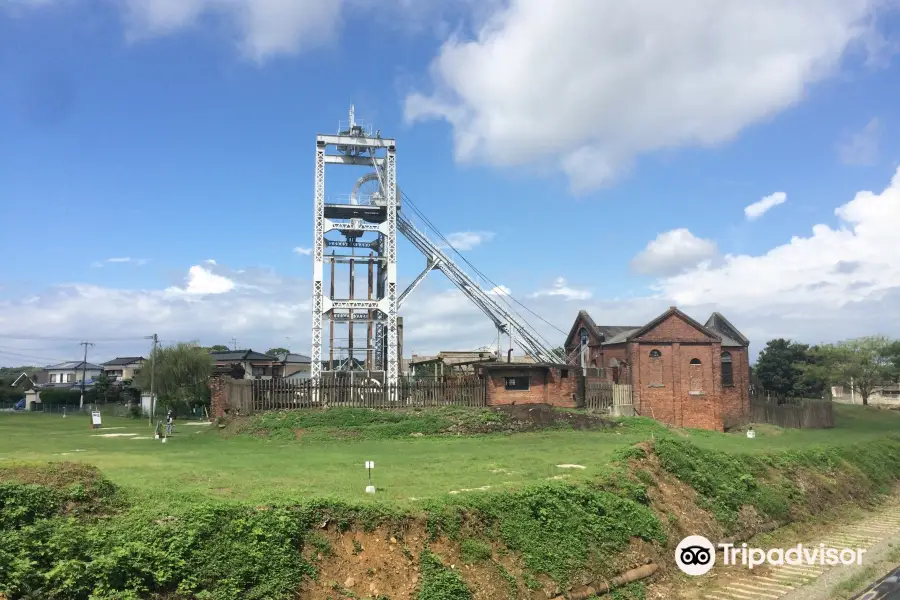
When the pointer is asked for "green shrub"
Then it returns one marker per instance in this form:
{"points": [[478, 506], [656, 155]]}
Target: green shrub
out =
{"points": [[556, 527], [58, 396], [473, 551], [208, 550], [439, 582], [725, 482]]}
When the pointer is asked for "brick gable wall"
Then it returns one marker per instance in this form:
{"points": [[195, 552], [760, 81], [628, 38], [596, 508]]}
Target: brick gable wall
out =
{"points": [[672, 390]]}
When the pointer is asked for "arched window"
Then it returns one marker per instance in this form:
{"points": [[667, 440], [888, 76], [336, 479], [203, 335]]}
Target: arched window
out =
{"points": [[656, 368], [727, 369], [583, 336], [695, 376]]}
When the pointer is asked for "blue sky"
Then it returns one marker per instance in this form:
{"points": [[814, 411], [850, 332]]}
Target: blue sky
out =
{"points": [[170, 134]]}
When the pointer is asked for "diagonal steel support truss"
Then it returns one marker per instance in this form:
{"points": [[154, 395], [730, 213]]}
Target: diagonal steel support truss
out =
{"points": [[433, 263], [504, 319]]}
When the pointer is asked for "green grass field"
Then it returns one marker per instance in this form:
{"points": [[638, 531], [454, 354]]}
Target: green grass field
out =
{"points": [[199, 462], [237, 512]]}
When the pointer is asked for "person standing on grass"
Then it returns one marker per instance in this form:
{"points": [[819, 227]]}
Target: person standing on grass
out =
{"points": [[170, 421]]}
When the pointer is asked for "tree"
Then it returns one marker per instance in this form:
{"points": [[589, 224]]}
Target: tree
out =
{"points": [[276, 351], [775, 367], [219, 348], [892, 355], [862, 364], [102, 387], [181, 372]]}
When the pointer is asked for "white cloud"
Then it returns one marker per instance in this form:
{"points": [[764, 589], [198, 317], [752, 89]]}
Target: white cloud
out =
{"points": [[265, 28], [861, 147], [303, 251], [202, 281], [499, 290], [259, 308], [852, 268], [466, 240], [673, 251], [837, 282], [562, 290], [120, 260], [761, 207], [586, 85]]}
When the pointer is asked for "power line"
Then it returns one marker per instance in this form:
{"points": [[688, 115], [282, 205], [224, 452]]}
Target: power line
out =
{"points": [[32, 357], [498, 289], [67, 339]]}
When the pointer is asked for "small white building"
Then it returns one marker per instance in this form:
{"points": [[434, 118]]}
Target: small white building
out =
{"points": [[71, 372]]}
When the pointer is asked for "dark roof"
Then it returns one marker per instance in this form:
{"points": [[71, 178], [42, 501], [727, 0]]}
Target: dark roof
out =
{"points": [[717, 327], [123, 360], [605, 332], [728, 332], [238, 355], [73, 365], [494, 366], [19, 378], [293, 358]]}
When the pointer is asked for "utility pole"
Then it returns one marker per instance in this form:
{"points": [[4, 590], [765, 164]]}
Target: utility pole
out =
{"points": [[234, 343], [153, 378], [83, 372]]}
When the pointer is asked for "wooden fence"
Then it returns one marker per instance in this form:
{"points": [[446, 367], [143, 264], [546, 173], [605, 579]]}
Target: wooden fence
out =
{"points": [[258, 395], [805, 414], [602, 395]]}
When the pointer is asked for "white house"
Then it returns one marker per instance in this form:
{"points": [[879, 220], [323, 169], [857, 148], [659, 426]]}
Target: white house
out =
{"points": [[71, 372], [123, 367]]}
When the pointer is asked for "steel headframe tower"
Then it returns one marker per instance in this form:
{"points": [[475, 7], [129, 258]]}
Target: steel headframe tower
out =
{"points": [[356, 218]]}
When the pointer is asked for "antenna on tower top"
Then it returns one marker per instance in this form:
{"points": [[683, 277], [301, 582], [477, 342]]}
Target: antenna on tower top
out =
{"points": [[352, 117]]}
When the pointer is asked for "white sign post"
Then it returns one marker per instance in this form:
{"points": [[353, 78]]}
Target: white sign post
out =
{"points": [[370, 464], [95, 419]]}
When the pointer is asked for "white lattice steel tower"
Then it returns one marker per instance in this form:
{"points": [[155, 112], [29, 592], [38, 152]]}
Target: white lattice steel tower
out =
{"points": [[367, 222]]}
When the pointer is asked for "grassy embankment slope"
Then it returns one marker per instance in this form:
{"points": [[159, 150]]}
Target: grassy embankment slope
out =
{"points": [[211, 515]]}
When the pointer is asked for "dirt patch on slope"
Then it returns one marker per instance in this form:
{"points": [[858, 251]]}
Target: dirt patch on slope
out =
{"points": [[384, 563]]}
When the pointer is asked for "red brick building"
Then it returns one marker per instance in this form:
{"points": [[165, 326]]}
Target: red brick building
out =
{"points": [[530, 383], [682, 373]]}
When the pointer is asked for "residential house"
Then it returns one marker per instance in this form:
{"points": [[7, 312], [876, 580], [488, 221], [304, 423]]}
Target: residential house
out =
{"points": [[681, 372], [294, 364], [888, 394], [256, 365], [69, 373], [123, 368], [25, 380]]}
